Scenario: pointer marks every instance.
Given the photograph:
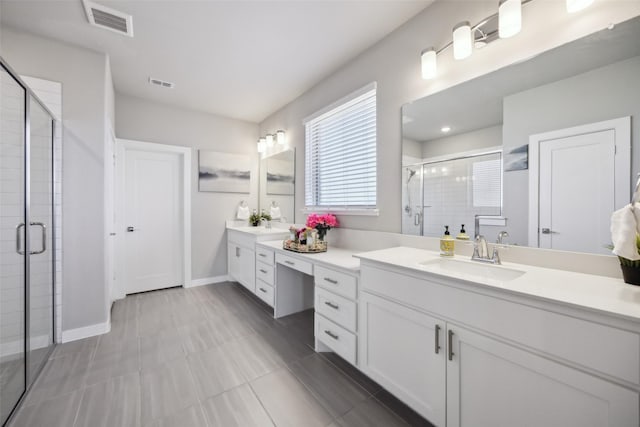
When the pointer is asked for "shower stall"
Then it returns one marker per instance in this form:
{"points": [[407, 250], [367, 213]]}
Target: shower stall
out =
{"points": [[27, 240]]}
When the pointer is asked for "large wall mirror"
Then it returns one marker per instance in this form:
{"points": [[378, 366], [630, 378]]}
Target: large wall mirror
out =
{"points": [[277, 185], [545, 149]]}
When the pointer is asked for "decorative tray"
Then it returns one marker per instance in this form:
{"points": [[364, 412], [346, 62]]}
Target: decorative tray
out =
{"points": [[316, 248]]}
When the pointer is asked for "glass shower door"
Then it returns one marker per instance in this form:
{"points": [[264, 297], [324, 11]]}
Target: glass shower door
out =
{"points": [[41, 262], [12, 237]]}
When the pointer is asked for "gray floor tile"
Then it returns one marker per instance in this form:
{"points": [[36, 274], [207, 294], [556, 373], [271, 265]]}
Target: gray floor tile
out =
{"points": [[60, 375], [198, 337], [86, 346], [160, 348], [112, 363], [403, 411], [153, 303], [285, 344], [365, 382], [254, 356], [190, 417], [215, 371], [125, 308], [58, 411], [121, 329], [333, 388], [288, 402], [238, 407], [153, 323], [115, 402], [166, 390], [370, 413]]}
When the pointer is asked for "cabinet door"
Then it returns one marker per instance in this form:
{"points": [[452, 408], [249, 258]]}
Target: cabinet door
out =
{"points": [[404, 351], [233, 264], [493, 384], [247, 267]]}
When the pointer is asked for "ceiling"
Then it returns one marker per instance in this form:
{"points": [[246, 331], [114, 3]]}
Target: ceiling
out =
{"points": [[240, 59], [477, 104]]}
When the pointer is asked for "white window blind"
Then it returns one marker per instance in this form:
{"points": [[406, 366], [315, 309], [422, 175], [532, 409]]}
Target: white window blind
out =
{"points": [[340, 155]]}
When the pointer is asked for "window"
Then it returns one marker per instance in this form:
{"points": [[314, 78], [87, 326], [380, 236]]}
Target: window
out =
{"points": [[340, 155]]}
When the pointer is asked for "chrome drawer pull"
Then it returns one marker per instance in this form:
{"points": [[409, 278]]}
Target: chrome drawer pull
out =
{"points": [[289, 262], [263, 290], [334, 306], [331, 334], [332, 281], [437, 339], [450, 344], [262, 255], [263, 271]]}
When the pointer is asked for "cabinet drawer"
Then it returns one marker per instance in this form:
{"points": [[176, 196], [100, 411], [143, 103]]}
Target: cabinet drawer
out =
{"points": [[264, 255], [336, 337], [241, 239], [336, 308], [264, 292], [337, 282], [264, 272], [297, 264]]}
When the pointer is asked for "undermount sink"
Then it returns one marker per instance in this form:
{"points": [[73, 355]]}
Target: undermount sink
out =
{"points": [[261, 230], [472, 268]]}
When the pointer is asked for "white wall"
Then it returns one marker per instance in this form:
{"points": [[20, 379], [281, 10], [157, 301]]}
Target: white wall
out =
{"points": [[82, 74], [394, 63], [604, 93], [142, 120]]}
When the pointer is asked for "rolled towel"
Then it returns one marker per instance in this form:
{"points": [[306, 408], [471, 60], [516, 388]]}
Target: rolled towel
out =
{"points": [[275, 212], [243, 213], [624, 226]]}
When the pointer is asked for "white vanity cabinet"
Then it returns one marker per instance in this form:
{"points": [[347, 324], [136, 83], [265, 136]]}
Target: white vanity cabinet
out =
{"points": [[242, 261], [461, 357]]}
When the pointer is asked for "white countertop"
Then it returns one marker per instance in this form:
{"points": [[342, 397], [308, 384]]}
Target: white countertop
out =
{"points": [[334, 257], [599, 293], [260, 231]]}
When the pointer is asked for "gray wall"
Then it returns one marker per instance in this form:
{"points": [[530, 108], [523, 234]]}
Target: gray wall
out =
{"points": [[602, 94], [394, 63], [82, 74], [142, 120], [474, 140]]}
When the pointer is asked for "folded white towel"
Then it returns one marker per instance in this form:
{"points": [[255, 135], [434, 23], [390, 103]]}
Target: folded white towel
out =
{"points": [[625, 223], [275, 212], [243, 212]]}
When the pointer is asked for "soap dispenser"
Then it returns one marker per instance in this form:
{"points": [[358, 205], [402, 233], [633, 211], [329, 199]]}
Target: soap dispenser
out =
{"points": [[447, 243], [463, 234]]}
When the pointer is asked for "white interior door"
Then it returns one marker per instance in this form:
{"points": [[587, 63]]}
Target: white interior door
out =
{"points": [[153, 220], [578, 177], [577, 187]]}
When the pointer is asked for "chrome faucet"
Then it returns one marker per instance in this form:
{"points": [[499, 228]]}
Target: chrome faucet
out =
{"points": [[501, 237], [481, 251]]}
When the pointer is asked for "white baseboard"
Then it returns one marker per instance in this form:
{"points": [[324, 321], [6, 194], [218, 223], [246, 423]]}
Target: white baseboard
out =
{"points": [[208, 281], [85, 332]]}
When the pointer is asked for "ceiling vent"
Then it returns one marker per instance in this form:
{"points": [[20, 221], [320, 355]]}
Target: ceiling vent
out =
{"points": [[161, 83], [109, 19]]}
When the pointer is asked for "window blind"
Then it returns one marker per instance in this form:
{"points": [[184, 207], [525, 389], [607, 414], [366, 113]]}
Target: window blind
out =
{"points": [[340, 156]]}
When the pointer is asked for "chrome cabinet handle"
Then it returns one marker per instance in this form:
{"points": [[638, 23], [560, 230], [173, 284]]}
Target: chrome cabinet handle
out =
{"points": [[44, 238], [331, 334], [262, 255], [547, 231], [19, 238], [437, 339], [263, 290], [130, 229], [289, 262], [332, 281], [450, 344], [332, 305], [263, 271], [237, 251]]}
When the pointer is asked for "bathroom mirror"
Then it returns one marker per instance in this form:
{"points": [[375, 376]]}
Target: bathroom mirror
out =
{"points": [[544, 149], [277, 185]]}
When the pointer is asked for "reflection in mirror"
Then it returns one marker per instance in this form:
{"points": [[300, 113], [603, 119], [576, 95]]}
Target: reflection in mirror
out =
{"points": [[277, 185], [541, 149]]}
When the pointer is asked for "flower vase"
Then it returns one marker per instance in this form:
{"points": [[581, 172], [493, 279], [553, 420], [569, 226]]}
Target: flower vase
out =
{"points": [[322, 233], [631, 274]]}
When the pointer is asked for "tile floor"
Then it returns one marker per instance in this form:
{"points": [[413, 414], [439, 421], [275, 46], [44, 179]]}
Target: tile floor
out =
{"points": [[206, 356]]}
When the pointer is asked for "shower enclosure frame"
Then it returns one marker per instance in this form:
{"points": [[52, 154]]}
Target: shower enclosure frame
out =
{"points": [[30, 377]]}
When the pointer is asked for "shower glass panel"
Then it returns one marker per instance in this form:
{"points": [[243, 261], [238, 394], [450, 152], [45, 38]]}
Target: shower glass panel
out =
{"points": [[41, 217], [12, 257]]}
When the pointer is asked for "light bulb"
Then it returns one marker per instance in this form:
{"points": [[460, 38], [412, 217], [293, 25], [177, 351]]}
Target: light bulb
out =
{"points": [[462, 43], [577, 5], [509, 18], [280, 137], [269, 140], [429, 63], [260, 146]]}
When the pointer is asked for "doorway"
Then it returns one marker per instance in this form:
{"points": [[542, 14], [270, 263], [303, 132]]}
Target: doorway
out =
{"points": [[576, 170], [153, 217]]}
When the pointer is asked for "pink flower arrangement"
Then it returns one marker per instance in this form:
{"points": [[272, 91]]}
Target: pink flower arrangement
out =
{"points": [[322, 221]]}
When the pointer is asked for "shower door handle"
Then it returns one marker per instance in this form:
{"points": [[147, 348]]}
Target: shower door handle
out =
{"points": [[19, 239], [44, 238], [416, 219]]}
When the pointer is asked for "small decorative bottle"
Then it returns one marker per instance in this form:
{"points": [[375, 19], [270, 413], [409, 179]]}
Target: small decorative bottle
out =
{"points": [[447, 243]]}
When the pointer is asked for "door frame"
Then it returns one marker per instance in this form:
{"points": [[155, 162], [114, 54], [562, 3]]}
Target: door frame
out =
{"points": [[122, 146], [622, 131]]}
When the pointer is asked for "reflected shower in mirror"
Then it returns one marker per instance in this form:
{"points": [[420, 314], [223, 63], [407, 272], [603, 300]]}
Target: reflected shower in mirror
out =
{"points": [[544, 149], [277, 185]]}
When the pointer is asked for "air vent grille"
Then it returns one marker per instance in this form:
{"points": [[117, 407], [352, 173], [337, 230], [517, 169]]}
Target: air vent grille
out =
{"points": [[109, 19], [161, 83]]}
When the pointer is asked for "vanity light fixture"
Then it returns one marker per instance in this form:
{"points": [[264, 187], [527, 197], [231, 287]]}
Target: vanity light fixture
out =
{"points": [[577, 5], [507, 22], [280, 137], [445, 129], [262, 145], [462, 40], [269, 139], [509, 18]]}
